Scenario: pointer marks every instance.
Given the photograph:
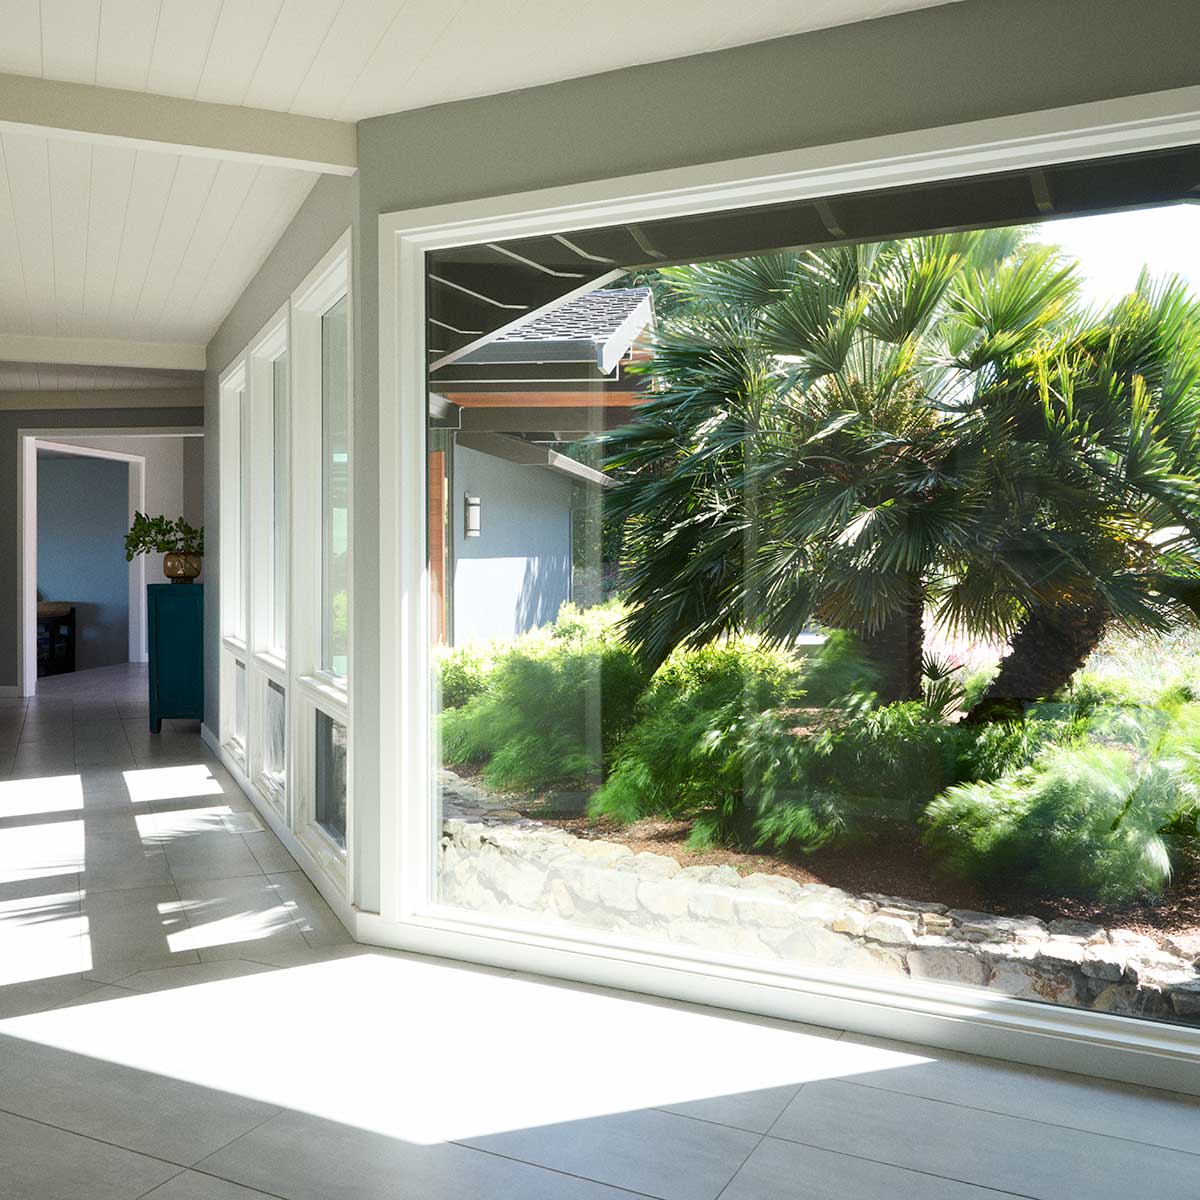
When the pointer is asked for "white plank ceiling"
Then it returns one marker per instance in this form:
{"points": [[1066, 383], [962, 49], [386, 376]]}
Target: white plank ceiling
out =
{"points": [[104, 241], [349, 59], [108, 242]]}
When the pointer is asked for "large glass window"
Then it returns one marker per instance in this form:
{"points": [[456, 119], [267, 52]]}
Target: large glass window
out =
{"points": [[335, 492], [828, 602]]}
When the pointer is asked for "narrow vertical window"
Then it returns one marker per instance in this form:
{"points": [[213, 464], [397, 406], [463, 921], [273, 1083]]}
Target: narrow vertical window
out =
{"points": [[335, 492], [279, 495], [331, 778]]}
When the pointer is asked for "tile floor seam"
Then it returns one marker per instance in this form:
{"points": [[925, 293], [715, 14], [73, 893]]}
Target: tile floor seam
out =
{"points": [[91, 1137], [143, 1195], [616, 1187], [1112, 1137], [883, 1162], [280, 1109], [671, 1112], [762, 1137], [223, 1179]]}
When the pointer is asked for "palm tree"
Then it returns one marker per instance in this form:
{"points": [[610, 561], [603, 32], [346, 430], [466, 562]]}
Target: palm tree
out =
{"points": [[1112, 430], [805, 455]]}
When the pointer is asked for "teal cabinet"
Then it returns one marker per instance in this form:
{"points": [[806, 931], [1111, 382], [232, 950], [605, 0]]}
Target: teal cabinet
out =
{"points": [[175, 633]]}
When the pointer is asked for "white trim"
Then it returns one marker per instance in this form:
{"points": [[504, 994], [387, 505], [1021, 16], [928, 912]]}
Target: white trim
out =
{"points": [[180, 125], [28, 443], [312, 689], [101, 352], [1083, 1041]]}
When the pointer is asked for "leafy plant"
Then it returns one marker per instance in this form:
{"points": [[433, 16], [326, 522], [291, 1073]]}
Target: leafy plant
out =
{"points": [[463, 672], [552, 705], [685, 755], [1090, 821], [161, 535]]}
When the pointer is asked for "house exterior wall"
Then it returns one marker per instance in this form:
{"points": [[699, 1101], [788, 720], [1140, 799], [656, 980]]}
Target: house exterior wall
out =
{"points": [[11, 422], [83, 512], [517, 574]]}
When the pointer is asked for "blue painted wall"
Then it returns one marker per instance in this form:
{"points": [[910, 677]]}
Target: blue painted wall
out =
{"points": [[516, 575], [83, 515]]}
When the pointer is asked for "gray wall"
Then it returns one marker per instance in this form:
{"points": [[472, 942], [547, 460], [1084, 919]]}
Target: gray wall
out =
{"points": [[192, 504], [959, 62], [82, 515], [13, 420], [517, 574], [165, 477]]}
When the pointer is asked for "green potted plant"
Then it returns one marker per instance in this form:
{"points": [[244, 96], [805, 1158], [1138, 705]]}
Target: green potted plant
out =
{"points": [[180, 542]]}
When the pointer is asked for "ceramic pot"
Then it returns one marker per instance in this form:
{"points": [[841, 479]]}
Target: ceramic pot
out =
{"points": [[181, 568]]}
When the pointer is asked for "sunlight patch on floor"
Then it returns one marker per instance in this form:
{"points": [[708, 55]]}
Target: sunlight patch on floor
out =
{"points": [[36, 851], [436, 1052], [48, 794], [148, 784]]}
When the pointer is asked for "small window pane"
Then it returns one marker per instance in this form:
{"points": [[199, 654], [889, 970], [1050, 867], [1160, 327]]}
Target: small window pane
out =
{"points": [[239, 704], [274, 767], [279, 532], [331, 778], [335, 490]]}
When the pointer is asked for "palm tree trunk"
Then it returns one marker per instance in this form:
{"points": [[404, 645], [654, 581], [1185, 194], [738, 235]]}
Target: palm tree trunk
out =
{"points": [[896, 648], [1046, 651]]}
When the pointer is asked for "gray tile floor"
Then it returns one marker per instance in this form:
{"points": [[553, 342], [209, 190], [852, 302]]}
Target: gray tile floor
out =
{"points": [[182, 1017]]}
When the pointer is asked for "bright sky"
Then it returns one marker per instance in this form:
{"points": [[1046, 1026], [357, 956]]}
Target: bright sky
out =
{"points": [[1113, 249]]}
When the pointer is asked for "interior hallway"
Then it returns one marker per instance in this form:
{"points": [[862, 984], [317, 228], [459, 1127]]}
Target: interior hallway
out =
{"points": [[181, 1016]]}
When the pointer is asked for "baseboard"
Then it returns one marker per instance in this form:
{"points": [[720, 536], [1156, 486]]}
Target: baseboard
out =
{"points": [[9, 691]]}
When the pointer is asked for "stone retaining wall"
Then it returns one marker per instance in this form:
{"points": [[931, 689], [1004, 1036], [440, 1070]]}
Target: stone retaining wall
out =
{"points": [[519, 869]]}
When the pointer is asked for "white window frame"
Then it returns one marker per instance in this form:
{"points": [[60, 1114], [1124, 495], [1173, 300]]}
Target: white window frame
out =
{"points": [[264, 664], [313, 689], [235, 492], [1089, 1042]]}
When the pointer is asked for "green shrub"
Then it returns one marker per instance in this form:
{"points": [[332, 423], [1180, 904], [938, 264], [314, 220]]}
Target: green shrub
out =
{"points": [[463, 672], [1086, 821], [864, 776], [838, 670], [681, 757], [552, 706]]}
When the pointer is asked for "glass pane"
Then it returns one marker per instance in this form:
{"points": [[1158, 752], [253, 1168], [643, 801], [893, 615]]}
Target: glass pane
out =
{"points": [[331, 778], [243, 510], [275, 745], [239, 704], [335, 489], [233, 516], [279, 478], [831, 606]]}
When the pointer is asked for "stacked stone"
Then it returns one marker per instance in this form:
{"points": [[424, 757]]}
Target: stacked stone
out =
{"points": [[519, 867]]}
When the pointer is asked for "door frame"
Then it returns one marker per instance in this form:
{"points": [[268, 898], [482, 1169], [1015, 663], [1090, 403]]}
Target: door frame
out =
{"points": [[29, 441]]}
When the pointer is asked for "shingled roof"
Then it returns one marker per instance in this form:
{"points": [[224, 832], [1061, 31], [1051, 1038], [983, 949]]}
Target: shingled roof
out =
{"points": [[600, 327]]}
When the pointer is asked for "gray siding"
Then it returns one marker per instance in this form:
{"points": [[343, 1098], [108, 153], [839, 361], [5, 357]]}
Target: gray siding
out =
{"points": [[517, 574]]}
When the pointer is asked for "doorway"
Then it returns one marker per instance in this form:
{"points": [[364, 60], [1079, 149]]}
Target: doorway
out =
{"points": [[79, 490]]}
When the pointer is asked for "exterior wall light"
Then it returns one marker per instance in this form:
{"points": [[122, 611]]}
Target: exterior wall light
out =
{"points": [[472, 516]]}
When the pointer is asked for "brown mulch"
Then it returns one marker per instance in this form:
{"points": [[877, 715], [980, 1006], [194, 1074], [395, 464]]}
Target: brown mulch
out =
{"points": [[899, 867]]}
